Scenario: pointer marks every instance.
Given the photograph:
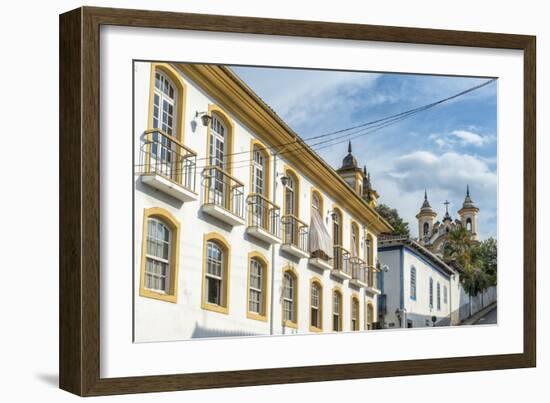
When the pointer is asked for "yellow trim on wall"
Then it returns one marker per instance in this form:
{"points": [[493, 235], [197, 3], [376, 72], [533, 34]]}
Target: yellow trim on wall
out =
{"points": [[181, 87], [357, 238], [230, 126], [221, 241], [316, 280], [294, 273], [338, 290], [370, 259], [354, 299], [265, 287], [337, 210], [267, 173], [291, 172], [173, 224]]}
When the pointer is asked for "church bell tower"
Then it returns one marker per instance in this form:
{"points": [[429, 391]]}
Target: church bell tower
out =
{"points": [[468, 215], [426, 218]]}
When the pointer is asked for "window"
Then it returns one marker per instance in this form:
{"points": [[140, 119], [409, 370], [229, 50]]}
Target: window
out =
{"points": [[317, 202], [164, 103], [426, 229], [257, 287], [337, 311], [354, 239], [431, 288], [159, 262], [217, 152], [337, 228], [316, 306], [445, 294], [354, 313], [469, 224], [413, 283], [291, 192], [216, 273], [370, 317], [157, 265], [368, 250], [290, 311], [438, 296], [259, 185], [259, 171]]}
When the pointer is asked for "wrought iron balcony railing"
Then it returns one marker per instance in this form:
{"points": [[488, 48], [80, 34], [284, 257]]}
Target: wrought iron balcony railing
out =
{"points": [[341, 260], [264, 214], [164, 155], [359, 270], [223, 190], [295, 232]]}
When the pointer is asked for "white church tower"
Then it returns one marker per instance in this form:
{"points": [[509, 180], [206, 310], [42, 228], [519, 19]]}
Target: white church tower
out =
{"points": [[468, 215], [426, 219]]}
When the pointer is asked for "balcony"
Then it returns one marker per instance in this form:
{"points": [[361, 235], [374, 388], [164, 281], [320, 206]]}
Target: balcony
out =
{"points": [[341, 263], [320, 260], [167, 165], [295, 236], [263, 219], [372, 280], [223, 196], [359, 272]]}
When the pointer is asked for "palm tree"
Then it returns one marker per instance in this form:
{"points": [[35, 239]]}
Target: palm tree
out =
{"points": [[458, 246]]}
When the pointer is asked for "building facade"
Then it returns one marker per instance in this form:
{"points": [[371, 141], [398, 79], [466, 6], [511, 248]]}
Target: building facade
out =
{"points": [[240, 228], [418, 288]]}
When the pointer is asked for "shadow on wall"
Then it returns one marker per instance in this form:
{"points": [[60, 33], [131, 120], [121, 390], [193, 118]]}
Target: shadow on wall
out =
{"points": [[203, 332]]}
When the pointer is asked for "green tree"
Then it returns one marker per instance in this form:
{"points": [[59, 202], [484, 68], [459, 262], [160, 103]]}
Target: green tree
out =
{"points": [[485, 253], [391, 215]]}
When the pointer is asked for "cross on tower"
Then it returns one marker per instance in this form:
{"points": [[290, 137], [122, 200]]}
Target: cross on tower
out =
{"points": [[447, 206]]}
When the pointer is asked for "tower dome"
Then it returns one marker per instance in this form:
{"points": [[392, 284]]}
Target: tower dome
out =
{"points": [[468, 202], [349, 161]]}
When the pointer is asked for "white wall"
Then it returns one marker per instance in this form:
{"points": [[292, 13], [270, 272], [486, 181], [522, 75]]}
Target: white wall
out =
{"points": [[29, 348]]}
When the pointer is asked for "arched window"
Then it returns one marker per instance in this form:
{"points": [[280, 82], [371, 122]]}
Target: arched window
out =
{"points": [[259, 171], [426, 229], [337, 311], [291, 194], [317, 202], [369, 250], [370, 317], [438, 296], [431, 291], [165, 97], [354, 239], [216, 273], [159, 255], [316, 306], [337, 227], [469, 224], [290, 300], [218, 142], [257, 287], [354, 313], [413, 283]]}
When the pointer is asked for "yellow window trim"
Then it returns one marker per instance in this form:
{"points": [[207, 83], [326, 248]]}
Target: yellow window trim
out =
{"points": [[338, 211], [230, 126], [267, 178], [370, 259], [173, 224], [312, 281], [354, 299], [368, 304], [181, 87], [218, 238], [294, 273], [265, 285], [357, 238], [338, 290]]}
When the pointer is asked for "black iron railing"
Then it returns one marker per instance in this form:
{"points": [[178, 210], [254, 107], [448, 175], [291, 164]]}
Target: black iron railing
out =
{"points": [[295, 232], [341, 260], [223, 190], [164, 155], [264, 214]]}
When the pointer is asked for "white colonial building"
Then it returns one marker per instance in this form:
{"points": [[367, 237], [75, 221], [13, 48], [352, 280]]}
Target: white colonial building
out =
{"points": [[418, 288], [240, 228]]}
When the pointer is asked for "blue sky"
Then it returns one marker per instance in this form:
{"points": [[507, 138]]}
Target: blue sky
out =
{"points": [[441, 149]]}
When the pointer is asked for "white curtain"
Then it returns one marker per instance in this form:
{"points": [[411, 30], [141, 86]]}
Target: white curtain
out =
{"points": [[319, 238]]}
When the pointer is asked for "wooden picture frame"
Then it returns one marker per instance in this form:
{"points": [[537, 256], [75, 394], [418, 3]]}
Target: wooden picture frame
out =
{"points": [[80, 198]]}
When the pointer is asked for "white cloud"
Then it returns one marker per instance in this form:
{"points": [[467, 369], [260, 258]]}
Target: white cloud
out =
{"points": [[445, 176], [469, 137]]}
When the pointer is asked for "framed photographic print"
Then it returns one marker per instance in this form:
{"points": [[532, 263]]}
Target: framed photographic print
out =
{"points": [[249, 201]]}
